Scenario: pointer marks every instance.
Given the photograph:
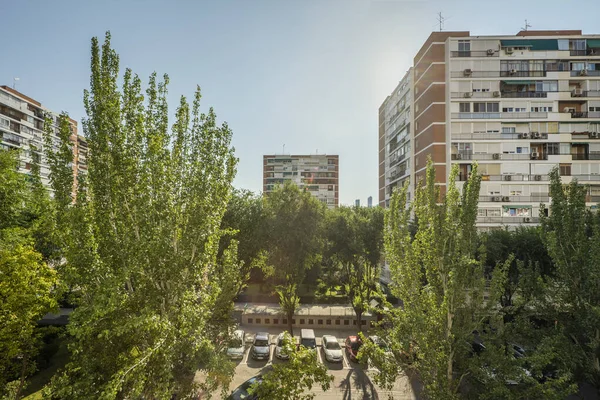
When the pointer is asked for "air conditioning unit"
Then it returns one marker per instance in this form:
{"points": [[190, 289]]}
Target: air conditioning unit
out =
{"points": [[536, 135], [526, 220], [496, 156], [513, 72], [525, 135], [458, 156], [468, 95], [577, 93], [468, 72], [490, 52], [509, 50], [594, 135], [583, 72], [495, 198], [505, 198], [507, 177], [496, 94], [537, 177], [535, 155]]}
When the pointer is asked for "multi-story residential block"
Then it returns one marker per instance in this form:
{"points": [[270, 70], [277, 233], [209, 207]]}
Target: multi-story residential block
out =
{"points": [[395, 140], [519, 106], [317, 173], [22, 128]]}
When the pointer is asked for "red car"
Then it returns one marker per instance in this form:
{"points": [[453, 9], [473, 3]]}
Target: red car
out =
{"points": [[352, 345]]}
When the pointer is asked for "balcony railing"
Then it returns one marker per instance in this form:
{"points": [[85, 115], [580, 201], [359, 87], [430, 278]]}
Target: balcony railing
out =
{"points": [[585, 93], [499, 136], [511, 95], [585, 72], [583, 114], [475, 95], [468, 73], [592, 156], [490, 156], [475, 53], [507, 220], [540, 197], [507, 178], [498, 115]]}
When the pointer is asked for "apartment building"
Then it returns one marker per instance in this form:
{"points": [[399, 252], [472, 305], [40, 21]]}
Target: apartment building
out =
{"points": [[21, 127], [395, 140], [518, 106], [317, 173]]}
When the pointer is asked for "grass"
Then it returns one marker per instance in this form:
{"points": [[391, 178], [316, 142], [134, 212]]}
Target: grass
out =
{"points": [[35, 384]]}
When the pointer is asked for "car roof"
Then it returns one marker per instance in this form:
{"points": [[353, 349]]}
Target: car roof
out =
{"points": [[352, 338], [307, 333], [330, 337], [262, 335]]}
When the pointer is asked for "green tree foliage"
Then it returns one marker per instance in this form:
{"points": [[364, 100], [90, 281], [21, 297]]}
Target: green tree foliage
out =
{"points": [[572, 236], [438, 279], [354, 238], [293, 223], [26, 281], [141, 241], [290, 380]]}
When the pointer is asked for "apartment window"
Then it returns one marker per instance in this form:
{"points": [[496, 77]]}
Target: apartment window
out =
{"points": [[319, 322], [486, 107], [565, 169], [516, 212], [302, 321], [337, 321], [267, 320], [328, 322], [577, 66], [465, 107], [464, 48], [494, 212], [522, 150], [481, 212], [258, 320], [577, 44], [508, 129], [541, 109], [276, 321], [553, 148], [311, 321], [546, 86], [250, 320], [592, 109], [346, 322], [4, 123]]}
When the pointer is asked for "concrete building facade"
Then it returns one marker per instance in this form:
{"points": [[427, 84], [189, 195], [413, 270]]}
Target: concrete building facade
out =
{"points": [[317, 173], [22, 128], [518, 106]]}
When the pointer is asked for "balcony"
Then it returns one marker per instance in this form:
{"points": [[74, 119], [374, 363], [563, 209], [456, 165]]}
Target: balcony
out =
{"points": [[469, 73], [499, 136], [475, 95], [506, 177], [580, 157], [475, 53], [521, 95], [585, 93], [507, 220], [490, 156], [585, 72], [584, 114], [538, 198], [498, 115]]}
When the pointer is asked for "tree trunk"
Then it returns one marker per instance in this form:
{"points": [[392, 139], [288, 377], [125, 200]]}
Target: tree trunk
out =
{"points": [[359, 320], [22, 378], [290, 315]]}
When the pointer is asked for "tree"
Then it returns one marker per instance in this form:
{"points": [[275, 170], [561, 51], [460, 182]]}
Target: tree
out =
{"points": [[289, 380], [355, 243], [141, 241], [27, 282], [289, 302], [438, 279], [572, 236], [293, 221]]}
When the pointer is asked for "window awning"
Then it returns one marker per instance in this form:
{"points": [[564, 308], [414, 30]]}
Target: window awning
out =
{"points": [[535, 44], [593, 43], [519, 82]]}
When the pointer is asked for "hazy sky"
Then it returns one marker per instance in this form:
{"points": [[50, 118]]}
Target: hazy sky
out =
{"points": [[309, 74]]}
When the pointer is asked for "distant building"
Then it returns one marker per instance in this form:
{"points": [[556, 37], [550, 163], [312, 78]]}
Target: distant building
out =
{"points": [[370, 201], [357, 203], [317, 173], [22, 128]]}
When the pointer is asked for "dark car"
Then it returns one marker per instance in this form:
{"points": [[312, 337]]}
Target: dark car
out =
{"points": [[260, 348], [353, 344], [241, 392]]}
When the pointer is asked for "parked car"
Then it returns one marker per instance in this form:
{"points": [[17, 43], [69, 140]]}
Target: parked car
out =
{"points": [[307, 339], [352, 345], [279, 347], [241, 392], [331, 349], [237, 345], [379, 342], [261, 349]]}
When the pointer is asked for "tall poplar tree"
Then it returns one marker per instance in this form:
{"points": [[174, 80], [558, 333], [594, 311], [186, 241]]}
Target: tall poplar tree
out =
{"points": [[142, 238]]}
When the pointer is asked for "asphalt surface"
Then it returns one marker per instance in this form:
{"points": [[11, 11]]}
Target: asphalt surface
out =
{"points": [[351, 380]]}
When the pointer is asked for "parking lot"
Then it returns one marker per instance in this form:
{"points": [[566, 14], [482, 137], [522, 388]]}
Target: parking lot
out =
{"points": [[351, 380]]}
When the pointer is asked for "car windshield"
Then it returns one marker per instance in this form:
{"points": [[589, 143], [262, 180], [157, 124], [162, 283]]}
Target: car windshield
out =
{"points": [[333, 345], [235, 343], [280, 342], [309, 343], [354, 345], [261, 342]]}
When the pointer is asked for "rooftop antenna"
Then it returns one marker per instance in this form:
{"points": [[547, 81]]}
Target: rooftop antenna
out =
{"points": [[283, 149], [441, 20], [15, 82], [526, 26]]}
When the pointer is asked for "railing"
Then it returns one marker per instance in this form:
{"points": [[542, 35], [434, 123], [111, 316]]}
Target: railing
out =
{"points": [[517, 74], [476, 95], [498, 136], [579, 157], [524, 94], [492, 156], [586, 72], [498, 115], [585, 52], [506, 177], [586, 177], [510, 220], [474, 53], [508, 199], [496, 74], [584, 114]]}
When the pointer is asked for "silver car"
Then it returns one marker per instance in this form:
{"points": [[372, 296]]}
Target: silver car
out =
{"points": [[279, 353], [332, 349], [236, 348]]}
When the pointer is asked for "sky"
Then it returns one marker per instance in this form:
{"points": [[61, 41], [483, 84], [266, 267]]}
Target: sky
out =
{"points": [[307, 74]]}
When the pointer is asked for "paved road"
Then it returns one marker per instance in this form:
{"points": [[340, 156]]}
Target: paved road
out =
{"points": [[351, 380]]}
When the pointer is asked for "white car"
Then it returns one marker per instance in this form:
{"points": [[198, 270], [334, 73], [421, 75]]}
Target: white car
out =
{"points": [[237, 346], [279, 348], [331, 349]]}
